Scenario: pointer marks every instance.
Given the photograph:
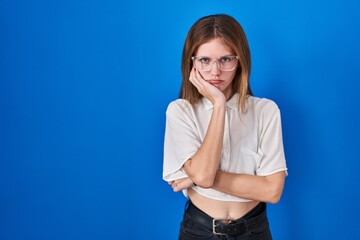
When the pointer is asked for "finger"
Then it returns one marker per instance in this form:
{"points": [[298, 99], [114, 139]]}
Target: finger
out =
{"points": [[192, 76], [199, 76], [182, 184], [174, 186], [200, 83], [197, 80]]}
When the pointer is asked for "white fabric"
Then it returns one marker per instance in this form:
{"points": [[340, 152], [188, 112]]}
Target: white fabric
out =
{"points": [[252, 141]]}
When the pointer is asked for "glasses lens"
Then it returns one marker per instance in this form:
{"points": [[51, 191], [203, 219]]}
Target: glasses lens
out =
{"points": [[226, 63], [202, 63]]}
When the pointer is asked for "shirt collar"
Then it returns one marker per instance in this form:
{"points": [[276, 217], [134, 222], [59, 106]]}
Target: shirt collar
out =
{"points": [[231, 103]]}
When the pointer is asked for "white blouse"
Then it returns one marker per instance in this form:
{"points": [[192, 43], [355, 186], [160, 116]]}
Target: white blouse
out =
{"points": [[252, 141]]}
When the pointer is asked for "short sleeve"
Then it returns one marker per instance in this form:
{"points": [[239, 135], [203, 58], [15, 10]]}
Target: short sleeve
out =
{"points": [[271, 141], [181, 139]]}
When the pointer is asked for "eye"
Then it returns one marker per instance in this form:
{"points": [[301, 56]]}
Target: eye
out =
{"points": [[225, 59], [204, 60]]}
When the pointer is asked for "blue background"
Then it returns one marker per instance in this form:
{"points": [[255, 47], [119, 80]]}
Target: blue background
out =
{"points": [[84, 86]]}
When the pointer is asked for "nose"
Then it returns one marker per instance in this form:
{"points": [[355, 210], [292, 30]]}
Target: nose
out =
{"points": [[215, 70]]}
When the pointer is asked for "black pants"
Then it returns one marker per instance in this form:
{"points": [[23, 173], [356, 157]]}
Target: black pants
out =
{"points": [[198, 225]]}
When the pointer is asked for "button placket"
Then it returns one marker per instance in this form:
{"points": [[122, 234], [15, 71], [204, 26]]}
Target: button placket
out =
{"points": [[226, 144]]}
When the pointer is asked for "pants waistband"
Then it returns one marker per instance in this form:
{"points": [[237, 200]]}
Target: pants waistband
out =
{"points": [[254, 218]]}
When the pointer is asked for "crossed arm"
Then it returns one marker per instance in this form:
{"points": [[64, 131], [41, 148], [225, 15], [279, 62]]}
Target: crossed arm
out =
{"points": [[202, 168], [258, 188]]}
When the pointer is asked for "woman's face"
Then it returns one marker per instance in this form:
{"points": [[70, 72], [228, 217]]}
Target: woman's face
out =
{"points": [[216, 50]]}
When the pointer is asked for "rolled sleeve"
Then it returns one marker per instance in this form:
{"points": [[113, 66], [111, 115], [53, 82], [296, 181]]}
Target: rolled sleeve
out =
{"points": [[271, 142], [181, 140]]}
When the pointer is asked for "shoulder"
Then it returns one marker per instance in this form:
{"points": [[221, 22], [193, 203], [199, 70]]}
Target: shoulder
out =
{"points": [[262, 106], [179, 107]]}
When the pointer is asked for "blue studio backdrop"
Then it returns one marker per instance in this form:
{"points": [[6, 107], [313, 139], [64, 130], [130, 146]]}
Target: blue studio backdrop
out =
{"points": [[84, 86]]}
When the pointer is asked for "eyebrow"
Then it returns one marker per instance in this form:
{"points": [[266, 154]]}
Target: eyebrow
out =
{"points": [[226, 55]]}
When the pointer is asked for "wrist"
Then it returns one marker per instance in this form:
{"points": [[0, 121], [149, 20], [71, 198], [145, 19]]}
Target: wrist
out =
{"points": [[219, 103]]}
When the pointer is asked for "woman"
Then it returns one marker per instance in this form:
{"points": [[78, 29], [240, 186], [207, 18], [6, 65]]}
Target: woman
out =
{"points": [[223, 146]]}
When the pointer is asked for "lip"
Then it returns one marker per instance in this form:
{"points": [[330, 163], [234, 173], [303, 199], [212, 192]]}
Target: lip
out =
{"points": [[214, 81]]}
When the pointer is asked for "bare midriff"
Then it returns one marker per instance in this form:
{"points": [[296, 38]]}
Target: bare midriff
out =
{"points": [[220, 209]]}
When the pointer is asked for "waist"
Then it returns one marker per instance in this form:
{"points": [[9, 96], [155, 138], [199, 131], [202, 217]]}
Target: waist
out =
{"points": [[256, 218], [216, 195], [220, 209]]}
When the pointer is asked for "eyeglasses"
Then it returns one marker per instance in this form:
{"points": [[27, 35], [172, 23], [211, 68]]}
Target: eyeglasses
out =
{"points": [[224, 63]]}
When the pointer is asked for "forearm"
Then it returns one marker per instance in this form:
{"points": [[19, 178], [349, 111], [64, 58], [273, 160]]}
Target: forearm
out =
{"points": [[258, 188], [202, 167]]}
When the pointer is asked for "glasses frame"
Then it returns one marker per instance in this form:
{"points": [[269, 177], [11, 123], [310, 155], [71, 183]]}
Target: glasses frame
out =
{"points": [[193, 58]]}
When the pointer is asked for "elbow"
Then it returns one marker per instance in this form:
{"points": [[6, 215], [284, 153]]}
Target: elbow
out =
{"points": [[274, 199], [275, 186], [201, 177], [204, 180], [274, 195]]}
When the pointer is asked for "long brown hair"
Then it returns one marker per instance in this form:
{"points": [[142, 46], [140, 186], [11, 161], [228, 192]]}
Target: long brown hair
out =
{"points": [[227, 29]]}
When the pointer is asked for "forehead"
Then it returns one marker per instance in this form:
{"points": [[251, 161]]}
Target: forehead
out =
{"points": [[214, 48]]}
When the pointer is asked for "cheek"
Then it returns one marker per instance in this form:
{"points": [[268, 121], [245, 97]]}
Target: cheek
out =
{"points": [[230, 76], [206, 75]]}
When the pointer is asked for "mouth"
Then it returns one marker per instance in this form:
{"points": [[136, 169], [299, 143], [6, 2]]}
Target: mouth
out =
{"points": [[214, 82]]}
